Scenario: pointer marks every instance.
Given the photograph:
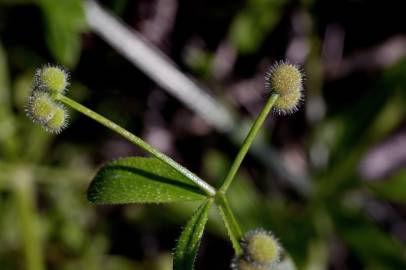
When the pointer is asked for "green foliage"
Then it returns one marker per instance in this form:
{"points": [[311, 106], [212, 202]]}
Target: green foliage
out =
{"points": [[65, 22], [393, 188], [310, 225], [7, 124], [189, 240], [141, 180], [231, 224], [253, 24], [374, 247]]}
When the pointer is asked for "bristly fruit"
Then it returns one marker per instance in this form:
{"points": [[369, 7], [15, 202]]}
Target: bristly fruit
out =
{"points": [[40, 108], [52, 79], [261, 251], [261, 247], [58, 121], [46, 112], [286, 80]]}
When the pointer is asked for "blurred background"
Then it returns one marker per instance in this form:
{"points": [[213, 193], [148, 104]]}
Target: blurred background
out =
{"points": [[188, 76]]}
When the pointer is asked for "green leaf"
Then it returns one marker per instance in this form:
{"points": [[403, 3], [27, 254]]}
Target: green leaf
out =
{"points": [[393, 188], [231, 224], [141, 180], [65, 22], [253, 23], [189, 240], [8, 125], [374, 247]]}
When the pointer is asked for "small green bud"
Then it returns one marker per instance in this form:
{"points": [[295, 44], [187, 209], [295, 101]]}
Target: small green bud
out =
{"points": [[40, 107], [52, 78], [286, 80], [58, 121]]}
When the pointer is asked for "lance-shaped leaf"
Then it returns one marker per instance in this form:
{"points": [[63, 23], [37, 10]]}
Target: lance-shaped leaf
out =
{"points": [[189, 240], [141, 180]]}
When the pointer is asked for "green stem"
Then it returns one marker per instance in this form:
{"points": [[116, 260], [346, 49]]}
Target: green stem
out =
{"points": [[247, 143], [209, 190], [29, 226], [233, 229]]}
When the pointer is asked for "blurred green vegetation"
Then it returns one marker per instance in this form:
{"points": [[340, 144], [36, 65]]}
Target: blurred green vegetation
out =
{"points": [[340, 221]]}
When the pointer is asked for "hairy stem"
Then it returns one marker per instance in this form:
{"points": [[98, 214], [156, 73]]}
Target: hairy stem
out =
{"points": [[205, 187], [233, 229], [247, 143]]}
